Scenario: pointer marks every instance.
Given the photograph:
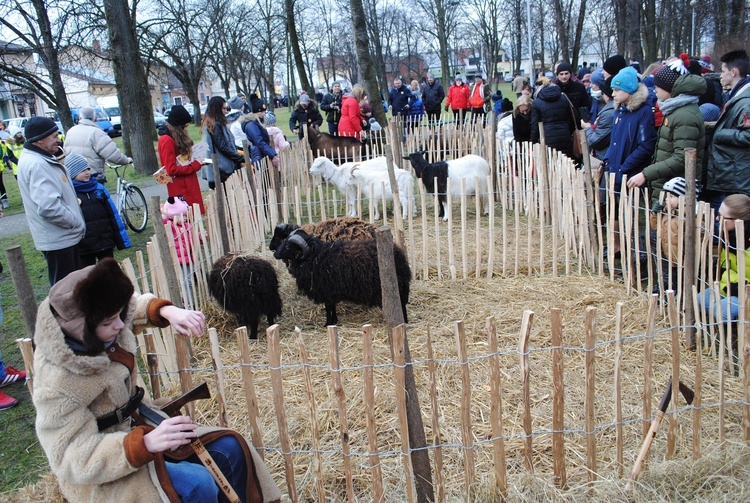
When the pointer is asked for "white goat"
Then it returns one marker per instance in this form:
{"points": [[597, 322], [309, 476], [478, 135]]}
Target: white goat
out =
{"points": [[347, 177]]}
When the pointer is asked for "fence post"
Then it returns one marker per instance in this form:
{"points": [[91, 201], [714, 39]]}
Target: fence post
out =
{"points": [[690, 159], [590, 197], [221, 211], [397, 210], [22, 284], [394, 316]]}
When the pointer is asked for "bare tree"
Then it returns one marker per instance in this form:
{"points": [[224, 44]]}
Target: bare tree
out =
{"points": [[487, 13], [31, 25], [294, 42], [443, 17]]}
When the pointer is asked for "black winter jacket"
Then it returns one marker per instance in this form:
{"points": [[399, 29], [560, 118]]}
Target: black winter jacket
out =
{"points": [[433, 96], [331, 104], [551, 108], [102, 231], [576, 93], [300, 116]]}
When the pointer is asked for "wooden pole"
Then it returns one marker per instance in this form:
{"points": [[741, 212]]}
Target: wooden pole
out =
{"points": [[338, 389], [22, 285], [618, 388], [467, 439], [221, 401], [698, 386], [248, 385], [523, 353], [675, 331], [590, 197], [221, 211], [690, 168], [558, 400], [402, 396], [435, 422], [590, 399], [394, 316], [26, 346], [372, 434]]}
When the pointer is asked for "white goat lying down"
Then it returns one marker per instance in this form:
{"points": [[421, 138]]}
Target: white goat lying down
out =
{"points": [[372, 176]]}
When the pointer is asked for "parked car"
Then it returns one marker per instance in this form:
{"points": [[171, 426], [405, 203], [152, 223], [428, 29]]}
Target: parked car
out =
{"points": [[102, 120], [191, 110], [159, 119], [508, 77]]}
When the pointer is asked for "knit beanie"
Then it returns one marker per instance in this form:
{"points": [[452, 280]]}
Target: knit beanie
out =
{"points": [[676, 186], [174, 206], [270, 119], [597, 77], [710, 112], [38, 128], [668, 74], [179, 116], [236, 103], [626, 80], [604, 87], [614, 64], [76, 164], [258, 105], [564, 67]]}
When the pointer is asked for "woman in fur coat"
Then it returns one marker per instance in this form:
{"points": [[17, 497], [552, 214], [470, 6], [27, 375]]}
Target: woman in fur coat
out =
{"points": [[85, 374]]}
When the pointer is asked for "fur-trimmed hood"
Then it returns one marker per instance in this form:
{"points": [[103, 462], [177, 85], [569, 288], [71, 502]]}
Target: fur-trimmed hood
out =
{"points": [[638, 98]]}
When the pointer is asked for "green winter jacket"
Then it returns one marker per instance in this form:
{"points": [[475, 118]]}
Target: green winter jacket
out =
{"points": [[682, 128], [729, 156]]}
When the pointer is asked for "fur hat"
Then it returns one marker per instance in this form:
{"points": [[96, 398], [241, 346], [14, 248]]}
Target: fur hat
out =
{"points": [[38, 128], [564, 67], [667, 75], [614, 64], [236, 103], [179, 116], [84, 298], [76, 164], [173, 207], [626, 80]]}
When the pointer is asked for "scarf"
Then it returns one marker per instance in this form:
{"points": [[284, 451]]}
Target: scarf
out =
{"points": [[89, 186], [671, 104]]}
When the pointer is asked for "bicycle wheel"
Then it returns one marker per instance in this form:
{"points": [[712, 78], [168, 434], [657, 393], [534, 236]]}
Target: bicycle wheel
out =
{"points": [[134, 208]]}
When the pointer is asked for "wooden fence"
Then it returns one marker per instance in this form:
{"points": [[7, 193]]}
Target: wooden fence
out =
{"points": [[565, 401]]}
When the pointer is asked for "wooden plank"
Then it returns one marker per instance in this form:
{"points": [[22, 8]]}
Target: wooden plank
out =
{"points": [[523, 352], [558, 400], [277, 385], [372, 433], [399, 369], [248, 384], [675, 332], [26, 346], [467, 438], [698, 386], [618, 389], [338, 388], [221, 400], [313, 410], [435, 422], [648, 357], [590, 398]]}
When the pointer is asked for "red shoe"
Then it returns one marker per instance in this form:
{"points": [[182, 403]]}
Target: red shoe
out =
{"points": [[12, 375], [6, 402]]}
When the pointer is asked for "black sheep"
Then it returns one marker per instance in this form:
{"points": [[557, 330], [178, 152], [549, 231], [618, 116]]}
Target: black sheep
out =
{"points": [[334, 229], [246, 286], [342, 270]]}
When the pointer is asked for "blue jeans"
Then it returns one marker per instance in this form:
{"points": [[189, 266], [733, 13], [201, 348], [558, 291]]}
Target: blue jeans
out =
{"points": [[730, 306], [193, 482]]}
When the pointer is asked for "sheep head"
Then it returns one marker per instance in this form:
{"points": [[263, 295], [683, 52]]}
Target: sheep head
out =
{"points": [[319, 165], [294, 247], [417, 161], [280, 233]]}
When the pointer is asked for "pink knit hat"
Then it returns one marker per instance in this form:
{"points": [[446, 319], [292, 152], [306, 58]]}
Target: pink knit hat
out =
{"points": [[173, 207]]}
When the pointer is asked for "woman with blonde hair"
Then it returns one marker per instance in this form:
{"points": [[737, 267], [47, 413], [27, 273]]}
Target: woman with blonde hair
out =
{"points": [[352, 121], [516, 125]]}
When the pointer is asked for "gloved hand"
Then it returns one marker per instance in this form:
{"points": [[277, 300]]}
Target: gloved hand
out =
{"points": [[657, 207], [407, 106], [446, 108]]}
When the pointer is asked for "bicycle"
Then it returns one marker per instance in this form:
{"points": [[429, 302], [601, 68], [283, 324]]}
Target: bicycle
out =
{"points": [[131, 203]]}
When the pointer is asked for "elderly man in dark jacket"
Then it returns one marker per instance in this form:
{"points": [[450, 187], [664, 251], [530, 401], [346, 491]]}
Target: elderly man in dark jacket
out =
{"points": [[432, 97], [305, 113], [400, 98]]}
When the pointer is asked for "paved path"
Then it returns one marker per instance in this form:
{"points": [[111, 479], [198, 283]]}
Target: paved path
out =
{"points": [[13, 225]]}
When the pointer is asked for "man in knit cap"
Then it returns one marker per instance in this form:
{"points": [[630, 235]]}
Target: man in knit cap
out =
{"points": [[574, 90], [55, 219], [682, 127], [613, 65]]}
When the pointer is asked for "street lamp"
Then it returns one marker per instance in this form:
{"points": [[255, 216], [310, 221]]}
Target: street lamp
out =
{"points": [[693, 4]]}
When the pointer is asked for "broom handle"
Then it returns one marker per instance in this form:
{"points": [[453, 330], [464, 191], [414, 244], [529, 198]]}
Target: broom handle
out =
{"points": [[644, 449]]}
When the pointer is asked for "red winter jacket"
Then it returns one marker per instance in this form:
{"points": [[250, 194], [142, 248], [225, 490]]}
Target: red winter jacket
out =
{"points": [[184, 176], [458, 97], [350, 123]]}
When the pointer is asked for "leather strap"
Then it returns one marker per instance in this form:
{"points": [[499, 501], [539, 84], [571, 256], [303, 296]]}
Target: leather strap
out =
{"points": [[123, 413]]}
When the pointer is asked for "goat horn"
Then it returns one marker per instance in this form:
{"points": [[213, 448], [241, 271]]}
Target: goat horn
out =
{"points": [[299, 241]]}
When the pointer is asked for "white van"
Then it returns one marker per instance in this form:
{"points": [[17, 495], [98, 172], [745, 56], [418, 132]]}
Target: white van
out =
{"points": [[111, 107]]}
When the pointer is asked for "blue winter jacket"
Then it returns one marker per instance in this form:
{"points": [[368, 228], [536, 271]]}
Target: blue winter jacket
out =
{"points": [[633, 137], [399, 98], [258, 136]]}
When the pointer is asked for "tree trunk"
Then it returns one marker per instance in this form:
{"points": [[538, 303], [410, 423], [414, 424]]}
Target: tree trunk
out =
{"points": [[633, 38], [579, 32], [48, 53], [364, 60], [138, 128], [650, 41], [299, 62]]}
